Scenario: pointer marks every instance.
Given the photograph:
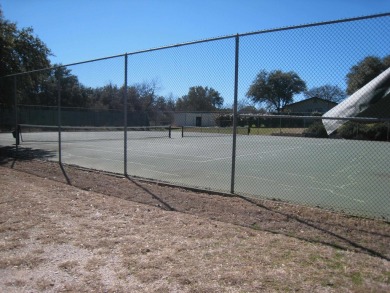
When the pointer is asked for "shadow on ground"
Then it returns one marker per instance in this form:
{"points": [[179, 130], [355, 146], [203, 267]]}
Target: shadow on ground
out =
{"points": [[339, 233], [310, 224], [11, 153]]}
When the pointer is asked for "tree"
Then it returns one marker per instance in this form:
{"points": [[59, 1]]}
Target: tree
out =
{"points": [[20, 51], [170, 103], [276, 88], [164, 104], [108, 97], [73, 94], [200, 99], [142, 96], [365, 71], [327, 92], [146, 95]]}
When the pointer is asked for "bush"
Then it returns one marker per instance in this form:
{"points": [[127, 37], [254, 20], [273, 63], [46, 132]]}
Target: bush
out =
{"points": [[316, 129], [355, 130], [348, 130], [378, 131], [224, 120]]}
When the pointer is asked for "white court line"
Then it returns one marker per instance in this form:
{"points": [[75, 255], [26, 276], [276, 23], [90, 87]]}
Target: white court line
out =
{"points": [[160, 172], [246, 155], [128, 163], [148, 156], [69, 156], [314, 180], [205, 159], [251, 154], [211, 159], [173, 154], [106, 159], [291, 187], [111, 150]]}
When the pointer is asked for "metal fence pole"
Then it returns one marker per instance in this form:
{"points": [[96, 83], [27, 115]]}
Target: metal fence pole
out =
{"points": [[17, 134], [59, 120], [125, 119], [235, 116]]}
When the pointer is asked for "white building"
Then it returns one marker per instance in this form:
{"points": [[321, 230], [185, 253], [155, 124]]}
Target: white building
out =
{"points": [[204, 119]]}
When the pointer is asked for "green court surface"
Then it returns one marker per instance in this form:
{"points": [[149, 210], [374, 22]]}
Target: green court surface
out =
{"points": [[343, 175]]}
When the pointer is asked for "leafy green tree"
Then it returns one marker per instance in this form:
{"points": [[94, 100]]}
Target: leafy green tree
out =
{"points": [[73, 93], [200, 99], [20, 51], [327, 92], [141, 97], [365, 71], [108, 97], [276, 88], [164, 104]]}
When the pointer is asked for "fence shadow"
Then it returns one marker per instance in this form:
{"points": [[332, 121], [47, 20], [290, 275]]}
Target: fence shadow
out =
{"points": [[10, 153], [317, 226], [310, 225], [163, 204]]}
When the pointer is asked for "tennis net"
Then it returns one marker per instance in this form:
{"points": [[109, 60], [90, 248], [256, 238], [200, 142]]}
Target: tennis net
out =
{"points": [[50, 133]]}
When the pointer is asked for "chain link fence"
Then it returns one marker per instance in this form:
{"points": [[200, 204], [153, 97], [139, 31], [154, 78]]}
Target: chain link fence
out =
{"points": [[133, 114]]}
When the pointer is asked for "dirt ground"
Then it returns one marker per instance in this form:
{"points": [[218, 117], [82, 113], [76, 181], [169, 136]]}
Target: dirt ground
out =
{"points": [[73, 230]]}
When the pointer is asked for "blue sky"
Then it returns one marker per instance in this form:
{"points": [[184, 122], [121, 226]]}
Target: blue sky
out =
{"points": [[78, 30]]}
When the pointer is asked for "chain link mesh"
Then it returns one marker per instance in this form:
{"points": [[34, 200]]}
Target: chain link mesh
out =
{"points": [[283, 150]]}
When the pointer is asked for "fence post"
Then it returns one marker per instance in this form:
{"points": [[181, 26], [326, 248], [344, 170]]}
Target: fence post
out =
{"points": [[59, 119], [17, 134], [125, 119], [235, 116]]}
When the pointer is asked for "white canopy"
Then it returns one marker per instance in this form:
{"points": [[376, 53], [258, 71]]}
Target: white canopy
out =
{"points": [[360, 101]]}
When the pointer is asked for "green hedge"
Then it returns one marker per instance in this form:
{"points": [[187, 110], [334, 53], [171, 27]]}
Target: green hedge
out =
{"points": [[363, 131]]}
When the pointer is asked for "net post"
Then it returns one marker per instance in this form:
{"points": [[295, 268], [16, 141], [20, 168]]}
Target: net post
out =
{"points": [[18, 135], [182, 131], [169, 131], [233, 170]]}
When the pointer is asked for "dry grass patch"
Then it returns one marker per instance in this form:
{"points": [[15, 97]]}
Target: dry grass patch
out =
{"points": [[23, 261], [44, 284], [69, 265], [79, 241]]}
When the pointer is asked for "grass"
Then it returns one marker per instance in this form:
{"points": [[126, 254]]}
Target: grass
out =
{"points": [[357, 278], [68, 265], [386, 277], [96, 242], [270, 131]]}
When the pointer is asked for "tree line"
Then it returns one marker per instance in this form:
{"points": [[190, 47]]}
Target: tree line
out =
{"points": [[22, 51]]}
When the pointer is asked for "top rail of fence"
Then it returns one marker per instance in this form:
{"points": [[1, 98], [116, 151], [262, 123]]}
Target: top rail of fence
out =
{"points": [[360, 119], [209, 40]]}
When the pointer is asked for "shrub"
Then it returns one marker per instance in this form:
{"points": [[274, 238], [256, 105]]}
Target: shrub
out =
{"points": [[355, 130], [316, 129], [224, 120]]}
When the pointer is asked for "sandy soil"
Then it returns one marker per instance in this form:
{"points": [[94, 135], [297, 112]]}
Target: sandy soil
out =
{"points": [[74, 230]]}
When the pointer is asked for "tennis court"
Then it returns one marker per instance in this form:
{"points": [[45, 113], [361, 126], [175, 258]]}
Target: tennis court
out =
{"points": [[345, 175]]}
